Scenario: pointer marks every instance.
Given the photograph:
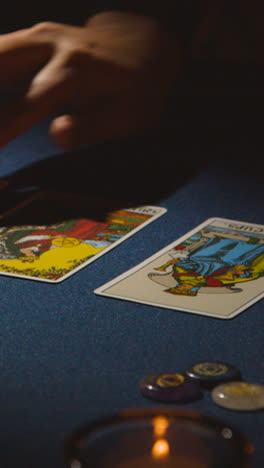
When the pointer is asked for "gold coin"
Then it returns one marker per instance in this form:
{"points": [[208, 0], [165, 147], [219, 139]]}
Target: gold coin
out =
{"points": [[170, 380], [210, 368]]}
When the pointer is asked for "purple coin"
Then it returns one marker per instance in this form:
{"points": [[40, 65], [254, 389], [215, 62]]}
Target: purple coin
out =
{"points": [[174, 387], [213, 373]]}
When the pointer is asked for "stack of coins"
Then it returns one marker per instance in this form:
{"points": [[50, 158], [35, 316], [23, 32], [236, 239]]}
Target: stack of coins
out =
{"points": [[221, 378]]}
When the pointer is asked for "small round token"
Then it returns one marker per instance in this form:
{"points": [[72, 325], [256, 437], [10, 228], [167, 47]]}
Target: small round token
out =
{"points": [[212, 373], [174, 387], [241, 396]]}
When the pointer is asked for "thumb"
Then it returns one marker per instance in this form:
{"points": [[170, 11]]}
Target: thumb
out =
{"points": [[116, 119]]}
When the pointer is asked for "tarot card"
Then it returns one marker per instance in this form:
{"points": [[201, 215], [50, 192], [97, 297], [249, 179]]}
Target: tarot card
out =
{"points": [[64, 242], [215, 270]]}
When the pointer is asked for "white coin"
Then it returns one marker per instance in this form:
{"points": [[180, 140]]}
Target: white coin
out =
{"points": [[241, 396]]}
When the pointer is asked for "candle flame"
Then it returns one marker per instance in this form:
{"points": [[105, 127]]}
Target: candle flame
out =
{"points": [[160, 425], [160, 449]]}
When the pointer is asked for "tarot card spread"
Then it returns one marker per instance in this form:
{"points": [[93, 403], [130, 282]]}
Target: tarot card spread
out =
{"points": [[216, 270], [53, 252]]}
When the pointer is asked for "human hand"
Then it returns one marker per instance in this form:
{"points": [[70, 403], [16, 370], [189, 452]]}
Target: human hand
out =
{"points": [[113, 75]]}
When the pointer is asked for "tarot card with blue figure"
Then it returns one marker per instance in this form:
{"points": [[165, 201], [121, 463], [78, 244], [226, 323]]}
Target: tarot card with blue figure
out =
{"points": [[216, 270]]}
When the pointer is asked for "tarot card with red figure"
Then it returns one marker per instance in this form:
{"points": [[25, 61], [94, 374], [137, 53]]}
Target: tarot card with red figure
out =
{"points": [[53, 250]]}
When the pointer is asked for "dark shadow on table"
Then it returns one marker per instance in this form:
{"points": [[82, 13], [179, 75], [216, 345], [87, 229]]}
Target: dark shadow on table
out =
{"points": [[103, 177], [211, 110]]}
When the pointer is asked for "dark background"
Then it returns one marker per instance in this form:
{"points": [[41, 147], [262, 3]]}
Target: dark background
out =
{"points": [[67, 356]]}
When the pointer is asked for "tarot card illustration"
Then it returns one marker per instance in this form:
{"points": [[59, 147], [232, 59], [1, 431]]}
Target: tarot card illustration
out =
{"points": [[55, 251], [217, 269]]}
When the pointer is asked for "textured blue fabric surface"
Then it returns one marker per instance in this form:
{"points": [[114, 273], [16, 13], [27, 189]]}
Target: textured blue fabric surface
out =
{"points": [[68, 356]]}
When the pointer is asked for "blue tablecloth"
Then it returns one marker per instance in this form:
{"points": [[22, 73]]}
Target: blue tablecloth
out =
{"points": [[68, 356]]}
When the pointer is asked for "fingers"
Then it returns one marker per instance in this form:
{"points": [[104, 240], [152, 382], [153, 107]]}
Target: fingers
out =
{"points": [[116, 119], [22, 52], [50, 89]]}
